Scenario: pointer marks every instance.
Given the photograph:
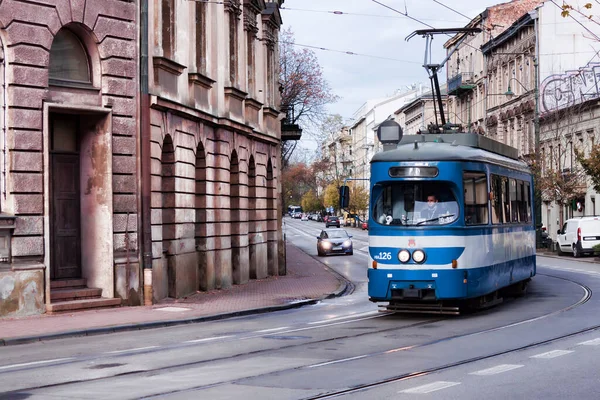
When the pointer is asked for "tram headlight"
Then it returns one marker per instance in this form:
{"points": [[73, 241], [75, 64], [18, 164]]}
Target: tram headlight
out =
{"points": [[418, 256], [403, 256]]}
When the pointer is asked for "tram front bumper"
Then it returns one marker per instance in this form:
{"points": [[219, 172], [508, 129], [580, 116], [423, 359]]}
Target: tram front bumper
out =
{"points": [[425, 285]]}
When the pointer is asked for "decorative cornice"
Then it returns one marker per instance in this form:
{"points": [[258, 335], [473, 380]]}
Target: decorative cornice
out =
{"points": [[250, 23], [234, 7], [269, 111], [201, 80], [257, 105], [168, 65], [235, 93]]}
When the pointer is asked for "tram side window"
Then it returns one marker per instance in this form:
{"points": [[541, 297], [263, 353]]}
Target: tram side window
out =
{"points": [[476, 202], [496, 200], [527, 201], [514, 203], [505, 200]]}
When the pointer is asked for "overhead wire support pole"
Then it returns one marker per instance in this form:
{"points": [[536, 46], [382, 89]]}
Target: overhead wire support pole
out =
{"points": [[432, 69]]}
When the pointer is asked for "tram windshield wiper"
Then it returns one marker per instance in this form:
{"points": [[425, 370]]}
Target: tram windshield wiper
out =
{"points": [[435, 219]]}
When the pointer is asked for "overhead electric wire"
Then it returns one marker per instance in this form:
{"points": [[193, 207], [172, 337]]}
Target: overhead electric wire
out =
{"points": [[452, 9], [579, 22], [337, 12], [351, 53], [416, 20], [401, 13]]}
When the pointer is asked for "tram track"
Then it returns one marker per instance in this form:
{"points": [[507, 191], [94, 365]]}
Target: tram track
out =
{"points": [[585, 298]]}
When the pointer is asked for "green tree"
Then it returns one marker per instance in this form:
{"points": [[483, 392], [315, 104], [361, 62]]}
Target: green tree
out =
{"points": [[591, 165], [332, 195], [359, 200], [310, 202]]}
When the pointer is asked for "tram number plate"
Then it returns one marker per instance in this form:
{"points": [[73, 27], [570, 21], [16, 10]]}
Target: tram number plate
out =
{"points": [[413, 293]]}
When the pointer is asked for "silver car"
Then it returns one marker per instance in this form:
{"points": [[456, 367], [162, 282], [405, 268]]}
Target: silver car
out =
{"points": [[334, 241]]}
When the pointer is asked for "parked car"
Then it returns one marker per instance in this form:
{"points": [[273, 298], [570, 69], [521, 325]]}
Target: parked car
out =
{"points": [[304, 217], [579, 236], [364, 225], [332, 221], [334, 241]]}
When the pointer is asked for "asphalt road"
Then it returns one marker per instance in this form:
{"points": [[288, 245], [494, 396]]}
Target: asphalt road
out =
{"points": [[543, 345]]}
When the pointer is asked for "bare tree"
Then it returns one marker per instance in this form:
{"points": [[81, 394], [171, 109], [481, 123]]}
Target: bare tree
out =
{"points": [[304, 90], [562, 179]]}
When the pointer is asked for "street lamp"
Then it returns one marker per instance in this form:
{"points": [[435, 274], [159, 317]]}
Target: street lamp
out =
{"points": [[509, 92]]}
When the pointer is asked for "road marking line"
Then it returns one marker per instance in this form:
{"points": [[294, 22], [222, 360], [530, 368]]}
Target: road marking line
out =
{"points": [[498, 369], [210, 339], [593, 342], [342, 318], [131, 350], [431, 387], [552, 354], [336, 361], [272, 330], [36, 363]]}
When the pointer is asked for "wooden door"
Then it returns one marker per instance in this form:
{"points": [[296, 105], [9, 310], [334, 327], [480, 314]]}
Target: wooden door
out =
{"points": [[66, 228]]}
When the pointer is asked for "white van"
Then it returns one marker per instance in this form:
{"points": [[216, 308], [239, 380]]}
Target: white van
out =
{"points": [[579, 236]]}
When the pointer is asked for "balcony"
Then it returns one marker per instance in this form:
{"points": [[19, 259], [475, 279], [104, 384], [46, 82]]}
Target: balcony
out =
{"points": [[461, 83]]}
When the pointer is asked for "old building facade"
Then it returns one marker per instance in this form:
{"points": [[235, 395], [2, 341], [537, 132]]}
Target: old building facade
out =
{"points": [[140, 150], [538, 76], [474, 78], [68, 146], [214, 131], [415, 116]]}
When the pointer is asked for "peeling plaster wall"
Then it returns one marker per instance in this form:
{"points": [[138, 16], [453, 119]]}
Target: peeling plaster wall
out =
{"points": [[21, 293]]}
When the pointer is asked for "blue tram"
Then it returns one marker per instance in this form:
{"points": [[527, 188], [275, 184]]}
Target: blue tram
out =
{"points": [[451, 223]]}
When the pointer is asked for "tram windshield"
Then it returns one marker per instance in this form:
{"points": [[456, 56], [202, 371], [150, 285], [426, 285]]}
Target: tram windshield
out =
{"points": [[414, 203]]}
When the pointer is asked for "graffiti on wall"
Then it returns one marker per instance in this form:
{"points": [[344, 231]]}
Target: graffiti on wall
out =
{"points": [[571, 88]]}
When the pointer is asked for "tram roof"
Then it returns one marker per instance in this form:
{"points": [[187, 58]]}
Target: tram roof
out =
{"points": [[452, 147]]}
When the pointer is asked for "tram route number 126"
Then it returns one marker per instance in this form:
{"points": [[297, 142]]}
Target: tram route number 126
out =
{"points": [[384, 255]]}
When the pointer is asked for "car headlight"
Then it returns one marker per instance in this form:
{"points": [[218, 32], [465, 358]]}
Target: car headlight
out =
{"points": [[347, 243], [326, 245], [418, 256], [404, 256]]}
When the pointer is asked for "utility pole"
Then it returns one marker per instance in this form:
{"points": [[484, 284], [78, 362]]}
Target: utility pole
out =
{"points": [[536, 132]]}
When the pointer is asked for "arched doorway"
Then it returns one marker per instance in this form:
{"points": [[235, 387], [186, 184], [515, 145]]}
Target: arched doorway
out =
{"points": [[238, 241], [79, 182], [206, 273], [167, 185], [271, 223], [252, 217]]}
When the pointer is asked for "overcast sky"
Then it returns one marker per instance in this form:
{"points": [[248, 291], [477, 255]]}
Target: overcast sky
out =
{"points": [[358, 78]]}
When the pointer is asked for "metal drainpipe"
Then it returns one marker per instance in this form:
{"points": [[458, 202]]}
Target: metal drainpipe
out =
{"points": [[145, 156], [5, 119]]}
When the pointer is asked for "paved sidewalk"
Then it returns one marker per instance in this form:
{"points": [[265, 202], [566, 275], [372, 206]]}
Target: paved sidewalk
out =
{"points": [[307, 282], [567, 257]]}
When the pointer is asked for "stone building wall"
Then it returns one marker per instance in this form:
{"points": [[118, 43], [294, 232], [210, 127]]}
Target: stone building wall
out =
{"points": [[106, 31], [215, 145]]}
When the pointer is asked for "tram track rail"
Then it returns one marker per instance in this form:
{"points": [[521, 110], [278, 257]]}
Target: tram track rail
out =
{"points": [[359, 388]]}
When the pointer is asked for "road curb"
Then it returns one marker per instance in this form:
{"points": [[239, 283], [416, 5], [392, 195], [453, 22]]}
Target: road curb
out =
{"points": [[345, 287], [156, 324]]}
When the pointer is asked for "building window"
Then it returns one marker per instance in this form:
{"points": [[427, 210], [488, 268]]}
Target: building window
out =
{"points": [[200, 37], [69, 62], [250, 50], [168, 28], [233, 42]]}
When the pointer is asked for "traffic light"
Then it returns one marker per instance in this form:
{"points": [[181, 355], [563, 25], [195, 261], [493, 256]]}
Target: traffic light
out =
{"points": [[344, 196]]}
